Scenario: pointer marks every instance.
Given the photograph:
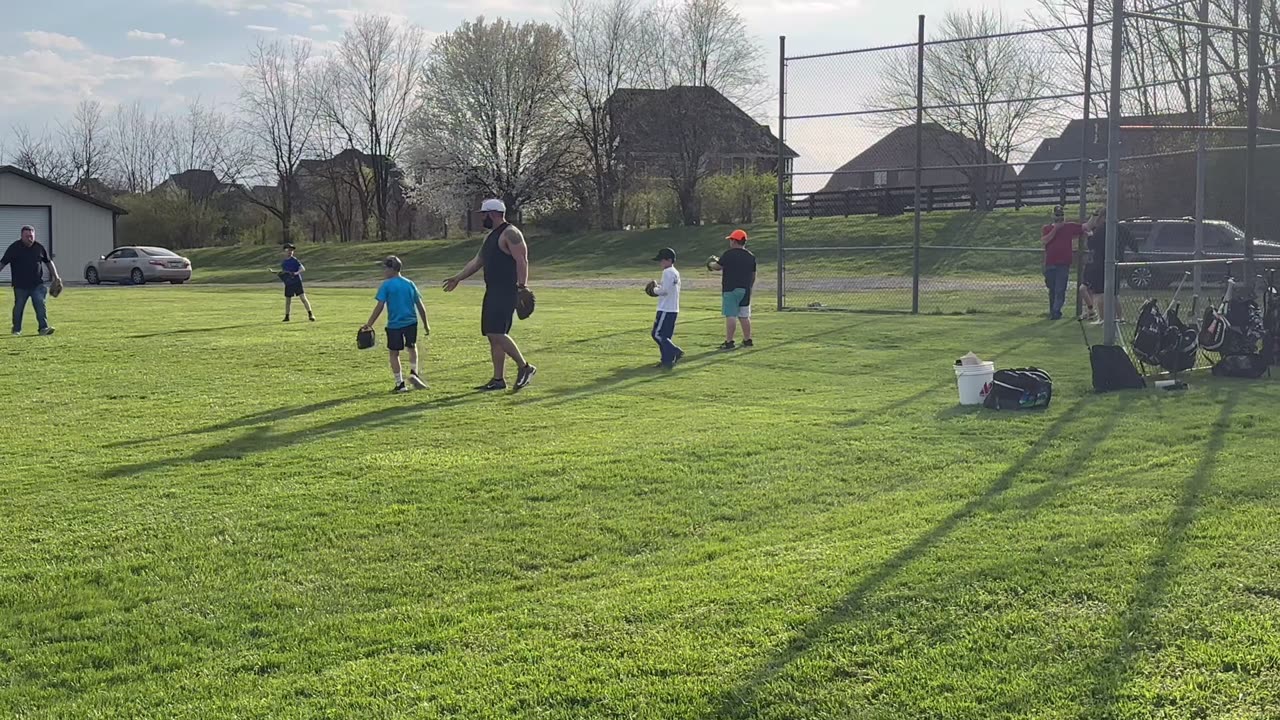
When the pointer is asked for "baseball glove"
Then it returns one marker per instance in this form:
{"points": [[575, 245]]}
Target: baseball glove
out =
{"points": [[651, 289], [55, 287], [364, 339], [712, 261], [524, 303]]}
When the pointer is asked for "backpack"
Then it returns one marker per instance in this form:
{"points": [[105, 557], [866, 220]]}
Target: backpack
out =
{"points": [[1149, 337], [1213, 330], [1245, 330], [1271, 326], [1247, 365], [1020, 389], [1181, 344]]}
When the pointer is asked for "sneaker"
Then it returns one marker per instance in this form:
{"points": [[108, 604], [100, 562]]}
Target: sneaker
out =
{"points": [[525, 375], [312, 318], [286, 319], [401, 388], [679, 357], [17, 333], [493, 385], [47, 331], [728, 345], [748, 343], [417, 382]]}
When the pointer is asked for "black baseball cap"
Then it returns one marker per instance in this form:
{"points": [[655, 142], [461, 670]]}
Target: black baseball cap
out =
{"points": [[666, 254], [290, 246], [392, 262]]}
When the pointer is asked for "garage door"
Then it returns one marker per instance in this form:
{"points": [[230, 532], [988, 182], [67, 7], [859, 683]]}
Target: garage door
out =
{"points": [[12, 218]]}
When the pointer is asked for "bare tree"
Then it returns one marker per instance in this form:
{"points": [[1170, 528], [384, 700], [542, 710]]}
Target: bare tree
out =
{"points": [[87, 143], [981, 87], [139, 139], [704, 43], [38, 154], [279, 117], [605, 54], [493, 108], [370, 93]]}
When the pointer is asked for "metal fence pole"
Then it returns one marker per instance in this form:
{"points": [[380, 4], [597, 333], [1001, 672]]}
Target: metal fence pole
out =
{"points": [[782, 121], [1114, 112], [1084, 149], [1250, 162], [915, 252], [1202, 119]]}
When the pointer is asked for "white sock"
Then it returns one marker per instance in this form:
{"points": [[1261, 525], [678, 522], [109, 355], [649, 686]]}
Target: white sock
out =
{"points": [[399, 378]]}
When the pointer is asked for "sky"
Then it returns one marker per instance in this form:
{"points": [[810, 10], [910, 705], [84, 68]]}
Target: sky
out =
{"points": [[168, 52]]}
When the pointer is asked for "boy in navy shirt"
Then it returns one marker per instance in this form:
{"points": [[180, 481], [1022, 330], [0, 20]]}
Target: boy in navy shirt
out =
{"points": [[400, 297], [292, 277]]}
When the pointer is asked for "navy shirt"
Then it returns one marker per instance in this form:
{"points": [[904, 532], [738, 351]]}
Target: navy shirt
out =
{"points": [[291, 264]]}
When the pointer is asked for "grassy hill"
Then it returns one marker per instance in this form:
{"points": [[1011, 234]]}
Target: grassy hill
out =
{"points": [[627, 253]]}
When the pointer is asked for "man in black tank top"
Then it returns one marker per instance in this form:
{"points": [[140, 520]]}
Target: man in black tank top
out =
{"points": [[505, 259]]}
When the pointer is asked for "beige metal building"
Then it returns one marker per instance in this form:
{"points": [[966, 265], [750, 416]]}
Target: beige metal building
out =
{"points": [[75, 227]]}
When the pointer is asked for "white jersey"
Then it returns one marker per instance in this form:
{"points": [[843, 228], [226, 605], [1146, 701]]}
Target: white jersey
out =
{"points": [[669, 291]]}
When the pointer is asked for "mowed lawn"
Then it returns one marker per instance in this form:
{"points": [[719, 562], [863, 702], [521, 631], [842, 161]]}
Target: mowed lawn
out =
{"points": [[209, 514]]}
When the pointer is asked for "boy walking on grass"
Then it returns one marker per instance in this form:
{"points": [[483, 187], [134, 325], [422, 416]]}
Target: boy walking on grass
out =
{"points": [[292, 269], [738, 276], [668, 294], [400, 297]]}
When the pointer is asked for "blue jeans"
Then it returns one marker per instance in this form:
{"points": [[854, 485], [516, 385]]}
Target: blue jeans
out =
{"points": [[36, 295], [1056, 278], [664, 326]]}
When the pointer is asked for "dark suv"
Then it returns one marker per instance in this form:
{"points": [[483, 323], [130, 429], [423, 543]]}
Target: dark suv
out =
{"points": [[1165, 239]]}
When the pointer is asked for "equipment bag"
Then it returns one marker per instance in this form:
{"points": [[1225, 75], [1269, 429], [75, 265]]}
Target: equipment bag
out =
{"points": [[1213, 330], [1181, 344], [1149, 336], [1251, 366], [1113, 369], [1020, 389]]}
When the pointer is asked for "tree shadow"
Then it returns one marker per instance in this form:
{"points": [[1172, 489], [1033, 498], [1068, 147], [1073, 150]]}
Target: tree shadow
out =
{"points": [[741, 700], [256, 439], [1136, 621], [191, 331]]}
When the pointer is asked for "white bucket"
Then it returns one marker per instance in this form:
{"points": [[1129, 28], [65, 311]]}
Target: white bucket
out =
{"points": [[974, 382]]}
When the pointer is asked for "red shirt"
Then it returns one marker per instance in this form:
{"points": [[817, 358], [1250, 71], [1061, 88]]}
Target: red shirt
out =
{"points": [[1059, 249]]}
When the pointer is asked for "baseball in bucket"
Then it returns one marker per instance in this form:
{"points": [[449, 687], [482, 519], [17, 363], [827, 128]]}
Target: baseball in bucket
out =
{"points": [[973, 379]]}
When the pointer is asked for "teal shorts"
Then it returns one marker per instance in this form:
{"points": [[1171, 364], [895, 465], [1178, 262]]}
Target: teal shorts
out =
{"points": [[731, 304]]}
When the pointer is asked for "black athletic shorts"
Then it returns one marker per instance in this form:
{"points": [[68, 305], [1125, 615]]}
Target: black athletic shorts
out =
{"points": [[497, 312], [1094, 277], [293, 289], [401, 338]]}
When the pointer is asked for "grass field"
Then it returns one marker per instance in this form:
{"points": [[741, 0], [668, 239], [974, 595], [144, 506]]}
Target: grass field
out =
{"points": [[628, 254], [209, 514]]}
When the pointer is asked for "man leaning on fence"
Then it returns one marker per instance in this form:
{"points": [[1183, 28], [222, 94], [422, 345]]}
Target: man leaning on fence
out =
{"points": [[1058, 239]]}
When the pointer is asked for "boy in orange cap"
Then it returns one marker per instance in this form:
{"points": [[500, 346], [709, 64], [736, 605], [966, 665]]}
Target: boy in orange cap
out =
{"points": [[738, 276]]}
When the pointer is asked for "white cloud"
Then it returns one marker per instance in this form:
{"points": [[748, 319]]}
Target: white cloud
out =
{"points": [[144, 35], [295, 9], [261, 28], [176, 42], [53, 41], [319, 28]]}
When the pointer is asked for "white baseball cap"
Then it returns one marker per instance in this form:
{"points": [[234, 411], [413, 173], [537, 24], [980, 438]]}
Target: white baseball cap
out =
{"points": [[493, 205]]}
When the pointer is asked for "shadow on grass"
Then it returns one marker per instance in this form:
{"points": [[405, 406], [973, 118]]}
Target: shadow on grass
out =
{"points": [[256, 439], [742, 700], [1135, 623], [191, 331]]}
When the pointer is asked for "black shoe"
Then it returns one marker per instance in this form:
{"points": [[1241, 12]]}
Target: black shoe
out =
{"points": [[748, 343], [400, 388], [47, 331], [417, 382], [286, 319], [312, 318], [493, 385], [525, 375], [728, 345], [679, 357]]}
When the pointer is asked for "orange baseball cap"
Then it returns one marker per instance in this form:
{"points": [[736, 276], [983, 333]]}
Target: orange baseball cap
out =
{"points": [[738, 236]]}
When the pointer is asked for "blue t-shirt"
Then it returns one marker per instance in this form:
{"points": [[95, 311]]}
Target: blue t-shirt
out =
{"points": [[401, 297], [291, 264]]}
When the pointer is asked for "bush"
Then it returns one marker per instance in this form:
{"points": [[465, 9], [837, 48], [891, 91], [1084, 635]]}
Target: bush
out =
{"points": [[740, 198], [171, 220]]}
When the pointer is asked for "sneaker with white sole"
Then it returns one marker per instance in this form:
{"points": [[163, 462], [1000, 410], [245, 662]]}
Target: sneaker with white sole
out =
{"points": [[400, 388], [417, 382], [525, 375], [47, 331]]}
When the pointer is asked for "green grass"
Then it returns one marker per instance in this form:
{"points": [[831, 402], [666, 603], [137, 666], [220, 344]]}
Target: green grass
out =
{"points": [[209, 514], [628, 254]]}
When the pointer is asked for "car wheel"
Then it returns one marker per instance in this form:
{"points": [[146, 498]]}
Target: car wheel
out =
{"points": [[136, 277], [1141, 278], [91, 276]]}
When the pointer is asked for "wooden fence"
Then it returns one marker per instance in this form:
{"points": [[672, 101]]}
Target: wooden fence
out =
{"points": [[898, 200]]}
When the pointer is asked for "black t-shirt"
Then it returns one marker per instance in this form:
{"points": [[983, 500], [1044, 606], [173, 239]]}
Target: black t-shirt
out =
{"points": [[1098, 245], [738, 269], [26, 264]]}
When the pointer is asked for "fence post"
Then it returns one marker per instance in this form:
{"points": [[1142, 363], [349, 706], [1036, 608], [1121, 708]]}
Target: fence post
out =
{"points": [[1113, 170], [1250, 162], [782, 119], [1202, 119], [1084, 146], [915, 250]]}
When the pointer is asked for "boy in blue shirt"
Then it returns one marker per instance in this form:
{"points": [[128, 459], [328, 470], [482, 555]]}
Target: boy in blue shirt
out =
{"points": [[399, 296], [292, 275]]}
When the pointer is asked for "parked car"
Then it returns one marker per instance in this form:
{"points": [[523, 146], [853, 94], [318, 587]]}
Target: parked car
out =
{"points": [[1166, 239], [137, 265]]}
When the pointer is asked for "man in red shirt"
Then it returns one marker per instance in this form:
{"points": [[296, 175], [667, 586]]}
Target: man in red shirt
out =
{"points": [[1058, 240]]}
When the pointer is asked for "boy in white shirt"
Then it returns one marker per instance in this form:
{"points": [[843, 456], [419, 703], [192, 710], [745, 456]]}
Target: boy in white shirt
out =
{"points": [[668, 294]]}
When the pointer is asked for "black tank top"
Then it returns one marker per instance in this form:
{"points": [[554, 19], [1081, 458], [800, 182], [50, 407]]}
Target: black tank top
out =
{"points": [[499, 267]]}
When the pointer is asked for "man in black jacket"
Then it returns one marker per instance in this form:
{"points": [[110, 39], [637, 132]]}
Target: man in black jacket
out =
{"points": [[26, 260]]}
